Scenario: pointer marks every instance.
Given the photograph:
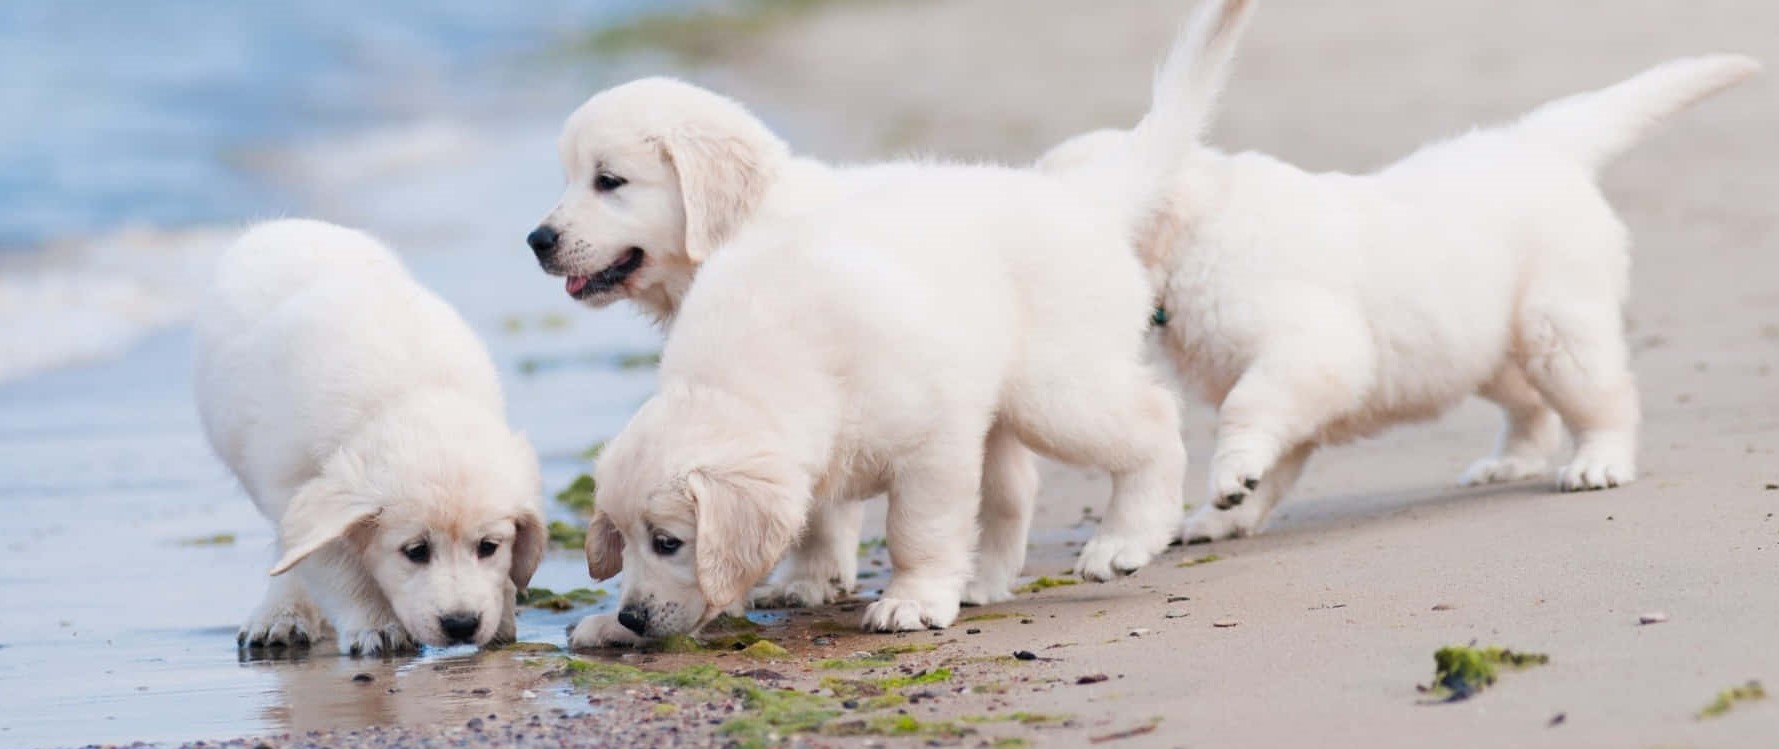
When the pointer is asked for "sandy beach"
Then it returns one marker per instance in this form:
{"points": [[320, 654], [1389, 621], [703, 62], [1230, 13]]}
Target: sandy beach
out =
{"points": [[1315, 633]]}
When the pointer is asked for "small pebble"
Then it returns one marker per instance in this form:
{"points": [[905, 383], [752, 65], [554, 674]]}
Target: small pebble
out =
{"points": [[528, 694], [1025, 655], [1025, 621], [850, 704], [363, 678], [474, 724], [1225, 623], [1443, 607], [1177, 599], [481, 691], [1772, 487], [1557, 720], [1092, 679], [972, 631], [1174, 614], [1139, 632], [1653, 617], [823, 640]]}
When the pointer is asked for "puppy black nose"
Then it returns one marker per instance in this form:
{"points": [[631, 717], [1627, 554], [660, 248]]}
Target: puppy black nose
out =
{"points": [[635, 619], [542, 241], [460, 627]]}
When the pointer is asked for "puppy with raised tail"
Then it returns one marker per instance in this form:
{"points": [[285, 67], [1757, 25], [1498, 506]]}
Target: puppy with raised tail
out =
{"points": [[878, 345], [366, 421], [1317, 308]]}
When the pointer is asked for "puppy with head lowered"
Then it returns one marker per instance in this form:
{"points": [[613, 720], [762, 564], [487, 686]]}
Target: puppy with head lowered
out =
{"points": [[366, 421], [925, 321], [1319, 308]]}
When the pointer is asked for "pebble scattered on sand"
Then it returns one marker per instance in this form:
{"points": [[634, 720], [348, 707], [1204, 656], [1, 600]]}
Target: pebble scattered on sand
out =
{"points": [[1092, 679], [1443, 607], [1225, 623], [1174, 614], [1653, 617], [1025, 655], [363, 678]]}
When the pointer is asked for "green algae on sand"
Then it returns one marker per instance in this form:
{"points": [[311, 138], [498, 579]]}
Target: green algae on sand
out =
{"points": [[1045, 582], [1728, 698], [544, 598], [567, 535], [1206, 559], [1460, 671]]}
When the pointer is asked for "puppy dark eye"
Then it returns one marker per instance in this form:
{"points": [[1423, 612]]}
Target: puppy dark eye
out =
{"points": [[486, 549], [419, 553], [608, 182], [666, 545]]}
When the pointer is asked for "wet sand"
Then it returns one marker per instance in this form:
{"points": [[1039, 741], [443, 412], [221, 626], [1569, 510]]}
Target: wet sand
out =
{"points": [[1331, 616]]}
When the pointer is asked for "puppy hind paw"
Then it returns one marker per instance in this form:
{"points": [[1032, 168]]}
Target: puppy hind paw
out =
{"points": [[908, 615], [1234, 477], [1503, 468], [1107, 557], [1211, 524], [986, 592], [1589, 474], [796, 594]]}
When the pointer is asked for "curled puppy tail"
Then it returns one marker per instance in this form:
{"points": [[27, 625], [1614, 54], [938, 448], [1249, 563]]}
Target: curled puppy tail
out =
{"points": [[1596, 126]]}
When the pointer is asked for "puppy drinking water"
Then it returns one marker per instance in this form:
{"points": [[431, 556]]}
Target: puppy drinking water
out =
{"points": [[366, 421], [1318, 308]]}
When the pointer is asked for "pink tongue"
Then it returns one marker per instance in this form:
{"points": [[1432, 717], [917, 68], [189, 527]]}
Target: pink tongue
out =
{"points": [[576, 283]]}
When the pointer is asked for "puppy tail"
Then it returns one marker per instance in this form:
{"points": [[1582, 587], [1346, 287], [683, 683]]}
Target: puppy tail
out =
{"points": [[1595, 126], [1188, 81]]}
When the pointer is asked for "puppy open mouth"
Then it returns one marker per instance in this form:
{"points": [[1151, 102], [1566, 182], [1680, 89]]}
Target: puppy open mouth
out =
{"points": [[581, 287]]}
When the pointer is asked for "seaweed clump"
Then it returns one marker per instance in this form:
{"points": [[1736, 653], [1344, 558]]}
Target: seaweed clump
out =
{"points": [[578, 495], [1728, 698], [1460, 671]]}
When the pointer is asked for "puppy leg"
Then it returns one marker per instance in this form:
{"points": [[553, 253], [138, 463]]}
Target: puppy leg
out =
{"points": [[824, 565], [1009, 492], [1576, 358], [1531, 434], [1282, 400], [932, 532], [1121, 421], [1211, 524], [285, 618], [352, 602]]}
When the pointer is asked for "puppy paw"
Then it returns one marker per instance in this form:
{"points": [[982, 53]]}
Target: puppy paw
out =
{"points": [[1590, 472], [601, 631], [375, 641], [1211, 524], [1105, 557], [796, 594], [1234, 476], [907, 615], [279, 628], [982, 592], [1502, 468]]}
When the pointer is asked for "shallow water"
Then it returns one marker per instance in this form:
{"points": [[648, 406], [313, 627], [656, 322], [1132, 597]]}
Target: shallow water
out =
{"points": [[115, 628]]}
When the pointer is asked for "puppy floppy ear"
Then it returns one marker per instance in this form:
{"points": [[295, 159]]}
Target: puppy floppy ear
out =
{"points": [[320, 513], [722, 179], [605, 547], [529, 541], [744, 524]]}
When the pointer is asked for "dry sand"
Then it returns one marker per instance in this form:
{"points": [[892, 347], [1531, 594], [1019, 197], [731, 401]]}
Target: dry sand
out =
{"points": [[1376, 561]]}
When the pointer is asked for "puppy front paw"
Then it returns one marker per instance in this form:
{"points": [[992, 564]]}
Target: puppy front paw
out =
{"points": [[1503, 468], [282, 627], [908, 615], [1211, 524], [371, 641], [1107, 556], [601, 631]]}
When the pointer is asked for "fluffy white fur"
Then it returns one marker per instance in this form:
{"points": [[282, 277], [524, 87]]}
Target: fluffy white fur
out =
{"points": [[1317, 308], [882, 341], [365, 419]]}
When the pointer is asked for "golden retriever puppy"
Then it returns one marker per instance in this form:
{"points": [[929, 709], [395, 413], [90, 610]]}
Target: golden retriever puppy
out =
{"points": [[366, 421], [1315, 309], [924, 319]]}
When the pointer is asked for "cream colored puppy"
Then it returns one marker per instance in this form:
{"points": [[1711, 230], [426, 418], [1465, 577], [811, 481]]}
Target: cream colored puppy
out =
{"points": [[1318, 308], [366, 421]]}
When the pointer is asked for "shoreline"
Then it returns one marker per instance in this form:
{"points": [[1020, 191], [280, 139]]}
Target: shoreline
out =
{"points": [[1319, 630]]}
